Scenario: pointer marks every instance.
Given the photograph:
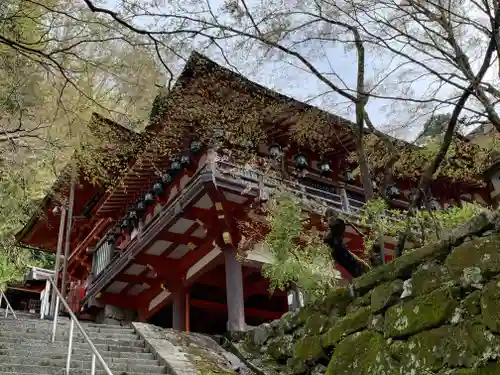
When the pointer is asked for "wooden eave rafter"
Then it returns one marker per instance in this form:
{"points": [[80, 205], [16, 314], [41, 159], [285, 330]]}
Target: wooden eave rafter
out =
{"points": [[61, 185]]}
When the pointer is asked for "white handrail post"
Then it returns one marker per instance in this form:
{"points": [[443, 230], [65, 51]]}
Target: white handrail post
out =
{"points": [[92, 369], [1, 298], [70, 345], [74, 321], [54, 322]]}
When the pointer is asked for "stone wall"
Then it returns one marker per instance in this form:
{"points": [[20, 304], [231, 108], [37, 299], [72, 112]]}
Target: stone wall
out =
{"points": [[436, 310]]}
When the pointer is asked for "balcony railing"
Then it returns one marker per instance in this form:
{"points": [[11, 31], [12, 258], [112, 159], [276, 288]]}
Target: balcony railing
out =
{"points": [[106, 260], [319, 198]]}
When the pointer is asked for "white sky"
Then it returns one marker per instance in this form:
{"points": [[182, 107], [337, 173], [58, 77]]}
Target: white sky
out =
{"points": [[302, 85]]}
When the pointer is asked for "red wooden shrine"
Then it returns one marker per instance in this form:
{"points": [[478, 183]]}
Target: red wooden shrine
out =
{"points": [[163, 241]]}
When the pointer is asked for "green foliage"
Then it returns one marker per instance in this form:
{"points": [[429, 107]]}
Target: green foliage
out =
{"points": [[22, 185], [300, 257], [465, 161], [427, 226]]}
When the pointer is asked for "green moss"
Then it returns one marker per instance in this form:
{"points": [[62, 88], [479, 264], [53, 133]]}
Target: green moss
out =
{"points": [[385, 294], [446, 346], [336, 302], [490, 369], [401, 267], [309, 347], [397, 349], [471, 303], [429, 277], [481, 252], [316, 324], [490, 305], [363, 353], [281, 347], [291, 320], [487, 345], [420, 313], [348, 324]]}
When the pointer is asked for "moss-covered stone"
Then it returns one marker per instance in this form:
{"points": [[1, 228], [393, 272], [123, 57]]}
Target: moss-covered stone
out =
{"points": [[376, 323], [428, 277], [397, 349], [280, 348], [348, 324], [316, 324], [490, 305], [487, 345], [401, 267], [471, 303], [489, 369], [421, 313], [302, 315], [481, 253], [308, 348], [363, 353], [336, 302], [289, 321], [448, 346], [385, 294]]}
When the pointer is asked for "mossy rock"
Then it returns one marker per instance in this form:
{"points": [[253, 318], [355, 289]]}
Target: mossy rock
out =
{"points": [[397, 349], [385, 294], [401, 267], [376, 323], [446, 346], [281, 348], [308, 348], [471, 304], [363, 353], [316, 324], [428, 277], [481, 253], [490, 305], [421, 313], [486, 343], [489, 369], [350, 323], [336, 301], [289, 321]]}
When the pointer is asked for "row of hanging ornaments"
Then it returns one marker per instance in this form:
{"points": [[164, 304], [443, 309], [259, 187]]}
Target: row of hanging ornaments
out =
{"points": [[131, 219]]}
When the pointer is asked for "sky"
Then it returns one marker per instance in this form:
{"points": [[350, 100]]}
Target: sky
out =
{"points": [[290, 80]]}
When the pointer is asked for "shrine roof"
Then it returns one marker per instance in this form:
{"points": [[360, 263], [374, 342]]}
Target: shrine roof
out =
{"points": [[45, 220]]}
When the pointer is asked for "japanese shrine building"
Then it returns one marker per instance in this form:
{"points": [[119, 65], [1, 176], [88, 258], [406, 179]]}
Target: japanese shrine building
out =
{"points": [[163, 241]]}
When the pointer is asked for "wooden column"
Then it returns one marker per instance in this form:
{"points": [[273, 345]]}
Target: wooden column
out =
{"points": [[180, 311], [234, 292]]}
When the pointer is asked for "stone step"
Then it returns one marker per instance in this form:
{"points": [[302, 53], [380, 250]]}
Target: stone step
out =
{"points": [[96, 337], [60, 323], [81, 355], [25, 369], [20, 338], [38, 345], [76, 364], [47, 330]]}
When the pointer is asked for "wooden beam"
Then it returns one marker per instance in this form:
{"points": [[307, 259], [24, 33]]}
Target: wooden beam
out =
{"points": [[250, 312]]}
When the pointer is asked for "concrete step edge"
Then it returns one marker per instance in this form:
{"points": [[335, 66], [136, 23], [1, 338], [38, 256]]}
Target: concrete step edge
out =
{"points": [[115, 356], [83, 365], [79, 340]]}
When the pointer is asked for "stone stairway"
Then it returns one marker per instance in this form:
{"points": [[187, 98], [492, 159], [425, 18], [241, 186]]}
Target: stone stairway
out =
{"points": [[25, 348]]}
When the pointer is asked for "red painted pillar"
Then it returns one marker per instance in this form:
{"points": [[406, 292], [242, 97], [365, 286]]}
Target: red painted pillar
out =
{"points": [[180, 308], [234, 292]]}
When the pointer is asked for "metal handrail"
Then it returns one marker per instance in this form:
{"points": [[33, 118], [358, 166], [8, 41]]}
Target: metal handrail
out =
{"points": [[8, 306], [74, 321]]}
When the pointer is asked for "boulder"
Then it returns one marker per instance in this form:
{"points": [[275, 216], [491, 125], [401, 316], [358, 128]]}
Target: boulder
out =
{"points": [[421, 313], [363, 353]]}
